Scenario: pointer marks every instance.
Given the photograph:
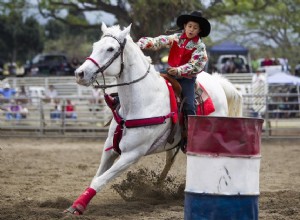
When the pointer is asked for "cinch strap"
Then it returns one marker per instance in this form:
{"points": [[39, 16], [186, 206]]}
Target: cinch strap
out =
{"points": [[134, 123]]}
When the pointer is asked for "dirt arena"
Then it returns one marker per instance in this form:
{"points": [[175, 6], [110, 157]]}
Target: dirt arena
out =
{"points": [[39, 178]]}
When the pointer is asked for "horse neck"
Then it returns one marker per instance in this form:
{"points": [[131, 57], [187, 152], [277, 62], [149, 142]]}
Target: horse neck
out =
{"points": [[135, 97]]}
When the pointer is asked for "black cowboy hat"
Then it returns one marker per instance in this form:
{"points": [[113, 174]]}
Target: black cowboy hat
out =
{"points": [[197, 17]]}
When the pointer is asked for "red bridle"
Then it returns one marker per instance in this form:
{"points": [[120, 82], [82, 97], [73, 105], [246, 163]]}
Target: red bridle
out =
{"points": [[111, 60]]}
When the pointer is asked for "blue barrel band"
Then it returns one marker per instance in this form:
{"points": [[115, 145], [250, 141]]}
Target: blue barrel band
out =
{"points": [[208, 207]]}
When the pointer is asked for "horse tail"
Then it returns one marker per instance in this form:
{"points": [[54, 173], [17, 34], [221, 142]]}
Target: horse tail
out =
{"points": [[234, 97]]}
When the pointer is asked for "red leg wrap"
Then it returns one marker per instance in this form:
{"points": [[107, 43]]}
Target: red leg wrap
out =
{"points": [[83, 200]]}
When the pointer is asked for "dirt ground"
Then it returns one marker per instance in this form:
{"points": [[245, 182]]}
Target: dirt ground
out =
{"points": [[39, 178]]}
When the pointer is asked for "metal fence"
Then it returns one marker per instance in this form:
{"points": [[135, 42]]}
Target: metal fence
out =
{"points": [[41, 118], [280, 111]]}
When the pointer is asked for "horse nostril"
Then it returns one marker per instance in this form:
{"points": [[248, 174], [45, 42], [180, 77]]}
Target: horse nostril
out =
{"points": [[80, 74]]}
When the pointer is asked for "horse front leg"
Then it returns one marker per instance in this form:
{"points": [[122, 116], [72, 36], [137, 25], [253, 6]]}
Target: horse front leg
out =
{"points": [[125, 160], [108, 156], [107, 160]]}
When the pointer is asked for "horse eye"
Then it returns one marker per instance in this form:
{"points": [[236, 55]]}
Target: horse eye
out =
{"points": [[110, 49]]}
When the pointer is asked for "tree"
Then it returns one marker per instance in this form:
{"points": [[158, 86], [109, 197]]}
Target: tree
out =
{"points": [[267, 24], [62, 36], [19, 36], [148, 17], [272, 28]]}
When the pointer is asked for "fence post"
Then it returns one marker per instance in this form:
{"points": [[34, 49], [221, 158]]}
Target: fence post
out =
{"points": [[42, 117], [223, 161], [267, 117]]}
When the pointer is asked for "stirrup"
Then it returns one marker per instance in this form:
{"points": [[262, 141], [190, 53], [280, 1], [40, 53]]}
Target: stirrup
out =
{"points": [[73, 211]]}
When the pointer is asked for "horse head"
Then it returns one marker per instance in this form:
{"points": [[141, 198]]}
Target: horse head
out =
{"points": [[106, 57]]}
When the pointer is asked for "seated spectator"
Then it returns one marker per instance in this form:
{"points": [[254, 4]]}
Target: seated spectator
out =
{"points": [[16, 111], [51, 94], [7, 93], [70, 110], [239, 65], [22, 95], [96, 99], [229, 66], [56, 112]]}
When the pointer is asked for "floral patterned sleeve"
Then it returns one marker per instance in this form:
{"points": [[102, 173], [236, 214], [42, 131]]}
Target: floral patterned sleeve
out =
{"points": [[197, 62], [156, 43]]}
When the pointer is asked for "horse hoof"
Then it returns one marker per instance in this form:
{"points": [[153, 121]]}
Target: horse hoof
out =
{"points": [[73, 211]]}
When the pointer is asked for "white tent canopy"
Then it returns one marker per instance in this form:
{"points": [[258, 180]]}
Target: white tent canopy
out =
{"points": [[283, 78]]}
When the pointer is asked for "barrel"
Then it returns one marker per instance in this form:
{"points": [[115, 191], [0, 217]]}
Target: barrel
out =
{"points": [[223, 162]]}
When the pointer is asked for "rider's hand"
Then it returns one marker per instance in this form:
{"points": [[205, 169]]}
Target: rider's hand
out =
{"points": [[143, 44], [172, 71]]}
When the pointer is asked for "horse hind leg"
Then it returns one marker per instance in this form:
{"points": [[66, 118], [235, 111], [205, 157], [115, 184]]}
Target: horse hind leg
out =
{"points": [[170, 158]]}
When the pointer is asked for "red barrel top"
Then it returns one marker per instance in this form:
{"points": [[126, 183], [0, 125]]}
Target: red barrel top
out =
{"points": [[224, 136]]}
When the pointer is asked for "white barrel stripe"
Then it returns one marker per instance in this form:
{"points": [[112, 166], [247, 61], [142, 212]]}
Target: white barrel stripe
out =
{"points": [[222, 175]]}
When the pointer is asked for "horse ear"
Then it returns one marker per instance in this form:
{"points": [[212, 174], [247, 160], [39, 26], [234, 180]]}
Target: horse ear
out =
{"points": [[103, 27], [125, 32]]}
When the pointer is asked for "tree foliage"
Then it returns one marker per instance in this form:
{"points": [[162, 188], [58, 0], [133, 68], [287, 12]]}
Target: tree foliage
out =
{"points": [[259, 23], [264, 26], [149, 17], [19, 37], [274, 30]]}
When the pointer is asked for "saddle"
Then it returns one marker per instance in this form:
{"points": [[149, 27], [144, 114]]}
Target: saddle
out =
{"points": [[182, 117], [203, 104]]}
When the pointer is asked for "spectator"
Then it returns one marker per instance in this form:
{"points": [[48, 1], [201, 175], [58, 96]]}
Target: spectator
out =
{"points": [[22, 95], [255, 64], [16, 111], [96, 99], [56, 112], [267, 61], [259, 77], [239, 65], [70, 110], [7, 92], [51, 94], [285, 64], [276, 62], [229, 66]]}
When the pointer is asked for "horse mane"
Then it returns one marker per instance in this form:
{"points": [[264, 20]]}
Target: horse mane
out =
{"points": [[115, 29]]}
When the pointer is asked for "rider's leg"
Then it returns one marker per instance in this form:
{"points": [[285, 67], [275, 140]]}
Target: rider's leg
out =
{"points": [[188, 93]]}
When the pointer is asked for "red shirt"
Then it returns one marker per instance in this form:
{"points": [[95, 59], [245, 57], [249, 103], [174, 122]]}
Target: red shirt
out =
{"points": [[69, 108]]}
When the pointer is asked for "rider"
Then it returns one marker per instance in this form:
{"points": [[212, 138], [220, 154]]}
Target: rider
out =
{"points": [[187, 56]]}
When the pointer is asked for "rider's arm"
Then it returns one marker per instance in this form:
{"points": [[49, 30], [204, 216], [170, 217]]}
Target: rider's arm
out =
{"points": [[197, 62], [162, 41]]}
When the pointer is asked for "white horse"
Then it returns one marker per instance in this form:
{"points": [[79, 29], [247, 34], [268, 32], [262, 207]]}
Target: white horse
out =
{"points": [[143, 94]]}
